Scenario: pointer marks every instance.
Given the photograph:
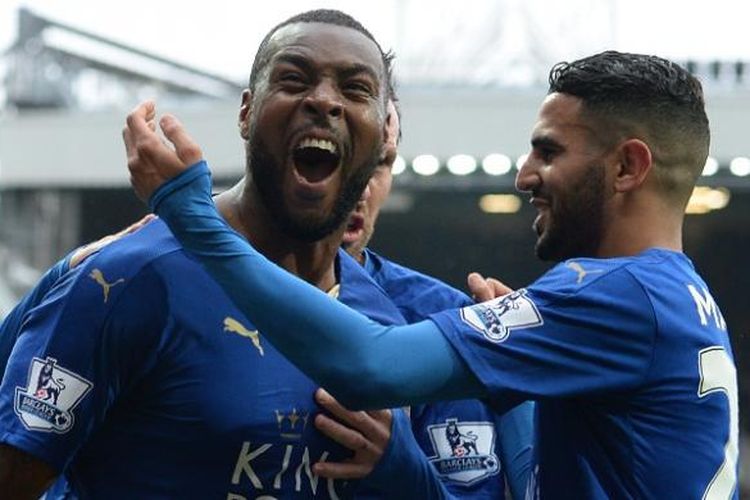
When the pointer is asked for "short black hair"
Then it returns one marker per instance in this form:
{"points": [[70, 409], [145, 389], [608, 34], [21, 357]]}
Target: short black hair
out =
{"points": [[325, 16], [648, 97]]}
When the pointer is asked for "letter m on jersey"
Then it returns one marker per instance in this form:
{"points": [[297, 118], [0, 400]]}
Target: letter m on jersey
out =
{"points": [[496, 318], [707, 308]]}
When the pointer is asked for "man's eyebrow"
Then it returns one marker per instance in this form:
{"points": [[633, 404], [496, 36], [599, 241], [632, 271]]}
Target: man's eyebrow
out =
{"points": [[545, 141], [295, 59], [357, 68]]}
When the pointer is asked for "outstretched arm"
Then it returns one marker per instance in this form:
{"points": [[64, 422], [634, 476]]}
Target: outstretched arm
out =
{"points": [[363, 363]]}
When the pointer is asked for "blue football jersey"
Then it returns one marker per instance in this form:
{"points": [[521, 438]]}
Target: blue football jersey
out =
{"points": [[13, 322], [472, 447], [139, 378], [630, 362]]}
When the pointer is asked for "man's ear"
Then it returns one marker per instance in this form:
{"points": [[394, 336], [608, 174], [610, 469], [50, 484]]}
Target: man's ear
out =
{"points": [[244, 117], [391, 132], [634, 164], [391, 126]]}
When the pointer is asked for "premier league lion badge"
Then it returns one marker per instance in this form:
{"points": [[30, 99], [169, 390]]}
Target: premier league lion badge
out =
{"points": [[51, 394], [495, 319], [464, 450]]}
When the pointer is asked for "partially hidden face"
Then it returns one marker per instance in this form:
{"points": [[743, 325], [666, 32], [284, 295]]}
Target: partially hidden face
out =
{"points": [[566, 175], [315, 125], [361, 224]]}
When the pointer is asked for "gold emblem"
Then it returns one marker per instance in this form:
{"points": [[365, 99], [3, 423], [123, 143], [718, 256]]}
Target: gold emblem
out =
{"points": [[98, 276], [287, 423], [234, 326], [578, 268]]}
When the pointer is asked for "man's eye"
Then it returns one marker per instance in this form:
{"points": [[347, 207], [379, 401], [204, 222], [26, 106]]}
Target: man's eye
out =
{"points": [[358, 88], [291, 77], [546, 154]]}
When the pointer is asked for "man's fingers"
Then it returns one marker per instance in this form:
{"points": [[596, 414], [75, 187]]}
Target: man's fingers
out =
{"points": [[329, 403], [127, 138], [185, 147], [381, 415], [480, 290], [341, 470], [484, 289], [359, 420], [137, 120], [498, 287], [340, 433]]}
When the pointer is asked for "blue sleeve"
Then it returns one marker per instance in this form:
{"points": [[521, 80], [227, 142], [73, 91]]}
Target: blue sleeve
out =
{"points": [[331, 343], [77, 351], [404, 472], [516, 434], [12, 323], [558, 339]]}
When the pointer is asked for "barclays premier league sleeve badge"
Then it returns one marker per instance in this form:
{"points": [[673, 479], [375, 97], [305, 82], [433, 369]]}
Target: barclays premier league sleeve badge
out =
{"points": [[51, 394], [495, 319], [464, 450]]}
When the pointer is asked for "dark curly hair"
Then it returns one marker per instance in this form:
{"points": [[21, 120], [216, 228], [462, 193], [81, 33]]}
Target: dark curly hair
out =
{"points": [[325, 16], [643, 96]]}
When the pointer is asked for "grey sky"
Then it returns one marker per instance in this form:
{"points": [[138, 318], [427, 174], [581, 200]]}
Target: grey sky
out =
{"points": [[450, 38]]}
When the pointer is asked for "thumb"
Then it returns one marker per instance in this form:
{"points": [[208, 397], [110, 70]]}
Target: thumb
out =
{"points": [[186, 148]]}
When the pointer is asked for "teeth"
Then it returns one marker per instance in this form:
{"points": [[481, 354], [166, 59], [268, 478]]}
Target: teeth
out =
{"points": [[323, 144]]}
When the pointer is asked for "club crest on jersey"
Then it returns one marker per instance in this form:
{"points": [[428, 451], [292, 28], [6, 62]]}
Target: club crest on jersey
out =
{"points": [[51, 394], [464, 450], [496, 318]]}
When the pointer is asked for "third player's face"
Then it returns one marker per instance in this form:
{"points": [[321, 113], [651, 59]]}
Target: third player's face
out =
{"points": [[361, 224], [316, 125], [565, 174]]}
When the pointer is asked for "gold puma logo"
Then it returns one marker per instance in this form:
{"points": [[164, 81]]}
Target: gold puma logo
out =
{"points": [[234, 326], [578, 268], [98, 276]]}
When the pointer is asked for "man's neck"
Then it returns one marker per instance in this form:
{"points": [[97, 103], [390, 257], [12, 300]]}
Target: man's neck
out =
{"points": [[313, 262], [641, 224]]}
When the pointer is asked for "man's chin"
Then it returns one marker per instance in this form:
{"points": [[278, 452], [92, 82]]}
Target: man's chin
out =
{"points": [[351, 237], [546, 250]]}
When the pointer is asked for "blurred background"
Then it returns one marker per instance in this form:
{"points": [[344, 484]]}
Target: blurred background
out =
{"points": [[470, 77]]}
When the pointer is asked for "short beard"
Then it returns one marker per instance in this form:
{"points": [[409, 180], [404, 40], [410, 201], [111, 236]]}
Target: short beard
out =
{"points": [[575, 224], [267, 176]]}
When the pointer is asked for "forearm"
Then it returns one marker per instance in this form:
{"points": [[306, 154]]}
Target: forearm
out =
{"points": [[331, 343]]}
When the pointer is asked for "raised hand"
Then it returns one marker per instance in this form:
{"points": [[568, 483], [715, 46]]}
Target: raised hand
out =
{"points": [[151, 160]]}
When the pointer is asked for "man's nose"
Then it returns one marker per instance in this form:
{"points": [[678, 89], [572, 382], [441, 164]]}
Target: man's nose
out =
{"points": [[324, 100], [366, 193], [527, 178]]}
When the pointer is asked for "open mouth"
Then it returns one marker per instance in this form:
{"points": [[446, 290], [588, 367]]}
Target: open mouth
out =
{"points": [[316, 159], [354, 227]]}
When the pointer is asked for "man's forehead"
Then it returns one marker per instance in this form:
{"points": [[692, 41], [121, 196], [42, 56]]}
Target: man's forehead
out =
{"points": [[561, 114], [328, 43]]}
